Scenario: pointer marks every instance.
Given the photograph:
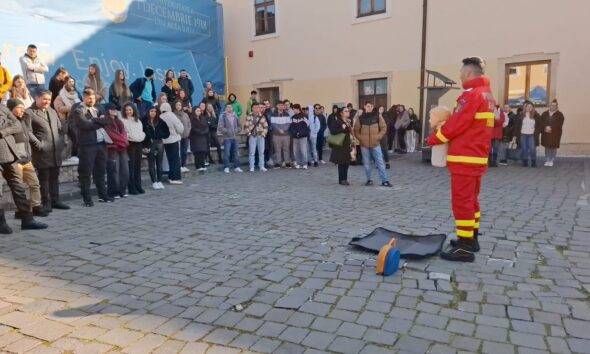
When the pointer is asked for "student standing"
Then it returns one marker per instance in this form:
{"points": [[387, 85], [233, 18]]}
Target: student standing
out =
{"points": [[156, 130], [172, 143], [117, 158], [199, 138], [33, 70], [184, 141], [229, 130], [135, 136], [299, 131]]}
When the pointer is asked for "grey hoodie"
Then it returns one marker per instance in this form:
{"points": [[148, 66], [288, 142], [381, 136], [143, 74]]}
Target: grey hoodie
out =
{"points": [[229, 126]]}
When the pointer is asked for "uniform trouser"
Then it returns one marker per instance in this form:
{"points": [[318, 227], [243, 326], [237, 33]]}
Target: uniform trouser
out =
{"points": [[281, 147], [312, 155], [92, 163], [134, 152], [28, 175], [49, 185], [117, 172], [17, 188], [464, 199], [300, 146]]}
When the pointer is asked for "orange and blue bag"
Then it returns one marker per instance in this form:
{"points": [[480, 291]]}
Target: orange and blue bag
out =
{"points": [[388, 259]]}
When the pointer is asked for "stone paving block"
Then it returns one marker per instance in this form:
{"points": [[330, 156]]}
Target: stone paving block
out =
{"points": [[495, 348], [194, 348], [380, 337], [318, 340], [147, 323], [461, 327], [221, 336], [346, 345], [466, 343], [289, 348], [270, 329], [435, 321], [120, 337], [44, 350], [491, 333], [400, 326], [412, 345], [249, 324], [492, 321], [18, 319], [192, 332], [245, 341], [576, 328], [519, 313], [295, 299], [257, 309], [373, 349], [217, 349], [316, 308], [351, 330], [145, 344], [300, 320], [265, 345], [46, 330], [557, 345], [22, 345], [579, 345], [528, 327], [294, 334], [430, 333], [171, 327]]}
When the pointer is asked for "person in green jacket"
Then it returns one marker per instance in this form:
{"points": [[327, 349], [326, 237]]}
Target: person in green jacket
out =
{"points": [[253, 100], [233, 100]]}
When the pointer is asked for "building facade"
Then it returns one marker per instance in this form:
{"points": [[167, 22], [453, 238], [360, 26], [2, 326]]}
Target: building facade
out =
{"points": [[339, 51]]}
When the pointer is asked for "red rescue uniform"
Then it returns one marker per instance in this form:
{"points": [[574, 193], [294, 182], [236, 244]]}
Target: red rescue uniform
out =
{"points": [[468, 133]]}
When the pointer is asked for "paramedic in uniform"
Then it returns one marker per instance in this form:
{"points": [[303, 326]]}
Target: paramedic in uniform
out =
{"points": [[468, 133]]}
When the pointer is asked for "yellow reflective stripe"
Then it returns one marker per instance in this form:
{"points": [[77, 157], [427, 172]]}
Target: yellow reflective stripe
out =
{"points": [[465, 222], [468, 159], [476, 225], [463, 233], [484, 115], [489, 116], [477, 214], [441, 137]]}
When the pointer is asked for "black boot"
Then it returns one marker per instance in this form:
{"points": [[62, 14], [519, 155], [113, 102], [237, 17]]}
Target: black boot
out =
{"points": [[37, 211], [525, 163], [4, 228], [28, 223], [474, 246], [461, 252], [534, 163], [59, 205]]}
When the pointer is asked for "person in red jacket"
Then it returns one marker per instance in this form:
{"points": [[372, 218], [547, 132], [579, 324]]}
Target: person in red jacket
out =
{"points": [[468, 133], [117, 158], [497, 134]]}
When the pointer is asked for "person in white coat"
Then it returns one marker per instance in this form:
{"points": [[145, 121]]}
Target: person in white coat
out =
{"points": [[172, 143], [33, 70], [314, 127]]}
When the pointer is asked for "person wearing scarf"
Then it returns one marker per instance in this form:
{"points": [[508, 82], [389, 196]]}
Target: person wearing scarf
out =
{"points": [[67, 98]]}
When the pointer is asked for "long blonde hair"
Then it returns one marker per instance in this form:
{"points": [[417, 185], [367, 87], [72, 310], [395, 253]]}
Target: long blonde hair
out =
{"points": [[14, 92], [97, 77]]}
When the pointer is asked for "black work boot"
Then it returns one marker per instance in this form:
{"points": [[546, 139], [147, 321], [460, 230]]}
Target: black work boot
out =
{"points": [[38, 211], [4, 228], [475, 245], [461, 252], [28, 223]]}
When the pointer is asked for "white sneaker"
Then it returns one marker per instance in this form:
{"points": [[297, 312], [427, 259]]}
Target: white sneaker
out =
{"points": [[546, 163], [263, 169], [322, 162], [155, 185], [226, 170], [550, 164], [298, 167], [175, 182], [202, 169], [237, 169], [160, 185], [251, 169], [206, 163], [305, 167], [184, 169]]}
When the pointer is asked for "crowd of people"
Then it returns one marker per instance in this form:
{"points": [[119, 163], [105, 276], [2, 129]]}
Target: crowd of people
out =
{"points": [[108, 129]]}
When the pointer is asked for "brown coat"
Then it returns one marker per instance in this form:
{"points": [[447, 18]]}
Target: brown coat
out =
{"points": [[369, 129], [553, 139]]}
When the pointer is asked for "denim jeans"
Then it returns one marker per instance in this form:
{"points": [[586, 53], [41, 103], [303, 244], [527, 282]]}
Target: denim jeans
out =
{"points": [[494, 150], [183, 151], [550, 154], [502, 151], [230, 149], [256, 142], [527, 144], [374, 152], [143, 107], [312, 155], [117, 172]]}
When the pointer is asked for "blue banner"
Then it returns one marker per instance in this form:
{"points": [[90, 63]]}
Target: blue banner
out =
{"points": [[118, 34]]}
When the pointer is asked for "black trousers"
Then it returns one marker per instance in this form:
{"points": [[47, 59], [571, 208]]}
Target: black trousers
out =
{"points": [[320, 145], [93, 163], [200, 159], [49, 183], [401, 138], [73, 135], [343, 173], [214, 142], [134, 152], [18, 189], [173, 156], [384, 149], [390, 137], [155, 158]]}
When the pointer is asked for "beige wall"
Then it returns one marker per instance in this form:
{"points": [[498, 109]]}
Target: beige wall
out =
{"points": [[319, 50]]}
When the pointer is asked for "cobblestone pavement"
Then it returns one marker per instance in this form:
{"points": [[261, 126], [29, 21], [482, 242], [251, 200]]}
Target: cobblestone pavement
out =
{"points": [[259, 262]]}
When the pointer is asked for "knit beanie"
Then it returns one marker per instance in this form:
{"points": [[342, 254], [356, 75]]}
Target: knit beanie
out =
{"points": [[149, 72], [13, 102]]}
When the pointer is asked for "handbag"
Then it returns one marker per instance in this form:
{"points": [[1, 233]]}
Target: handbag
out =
{"points": [[513, 152], [336, 139]]}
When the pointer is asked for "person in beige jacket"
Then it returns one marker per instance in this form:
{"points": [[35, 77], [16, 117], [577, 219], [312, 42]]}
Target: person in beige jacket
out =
{"points": [[369, 129]]}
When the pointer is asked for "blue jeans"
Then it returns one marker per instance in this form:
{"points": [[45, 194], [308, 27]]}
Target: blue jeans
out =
{"points": [[377, 155], [34, 89], [527, 144], [230, 149], [143, 107], [183, 151], [312, 155], [256, 142]]}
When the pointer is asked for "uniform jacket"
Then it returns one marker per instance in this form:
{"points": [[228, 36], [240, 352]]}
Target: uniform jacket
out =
{"points": [[46, 136], [469, 130], [369, 129]]}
